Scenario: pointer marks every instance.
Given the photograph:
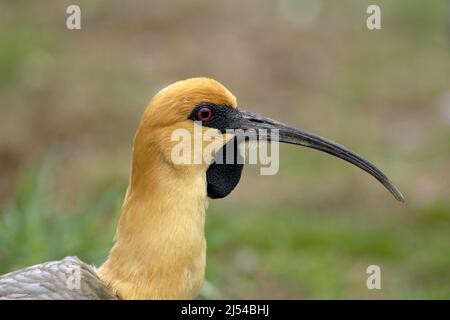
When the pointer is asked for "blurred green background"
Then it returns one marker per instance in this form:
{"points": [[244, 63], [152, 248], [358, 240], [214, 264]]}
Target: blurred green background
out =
{"points": [[71, 101]]}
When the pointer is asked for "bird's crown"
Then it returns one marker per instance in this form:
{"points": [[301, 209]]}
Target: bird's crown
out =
{"points": [[175, 102]]}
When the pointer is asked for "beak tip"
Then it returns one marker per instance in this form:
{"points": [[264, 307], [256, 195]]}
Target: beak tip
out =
{"points": [[398, 195]]}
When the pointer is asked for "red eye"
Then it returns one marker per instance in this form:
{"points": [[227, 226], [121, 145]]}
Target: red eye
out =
{"points": [[204, 114]]}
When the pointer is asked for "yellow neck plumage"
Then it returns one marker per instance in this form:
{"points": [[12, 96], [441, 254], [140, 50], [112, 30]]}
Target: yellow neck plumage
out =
{"points": [[160, 248]]}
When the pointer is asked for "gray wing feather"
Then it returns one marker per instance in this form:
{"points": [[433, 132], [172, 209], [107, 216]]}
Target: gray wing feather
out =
{"points": [[67, 279]]}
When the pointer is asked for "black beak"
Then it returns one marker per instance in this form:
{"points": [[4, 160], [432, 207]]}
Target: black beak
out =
{"points": [[285, 133]]}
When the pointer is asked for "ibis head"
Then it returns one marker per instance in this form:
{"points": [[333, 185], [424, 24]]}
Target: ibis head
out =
{"points": [[209, 104]]}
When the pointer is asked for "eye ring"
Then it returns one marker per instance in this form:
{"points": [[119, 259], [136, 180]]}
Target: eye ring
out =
{"points": [[204, 114]]}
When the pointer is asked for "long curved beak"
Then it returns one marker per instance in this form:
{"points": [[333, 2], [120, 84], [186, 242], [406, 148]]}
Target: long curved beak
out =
{"points": [[277, 131]]}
